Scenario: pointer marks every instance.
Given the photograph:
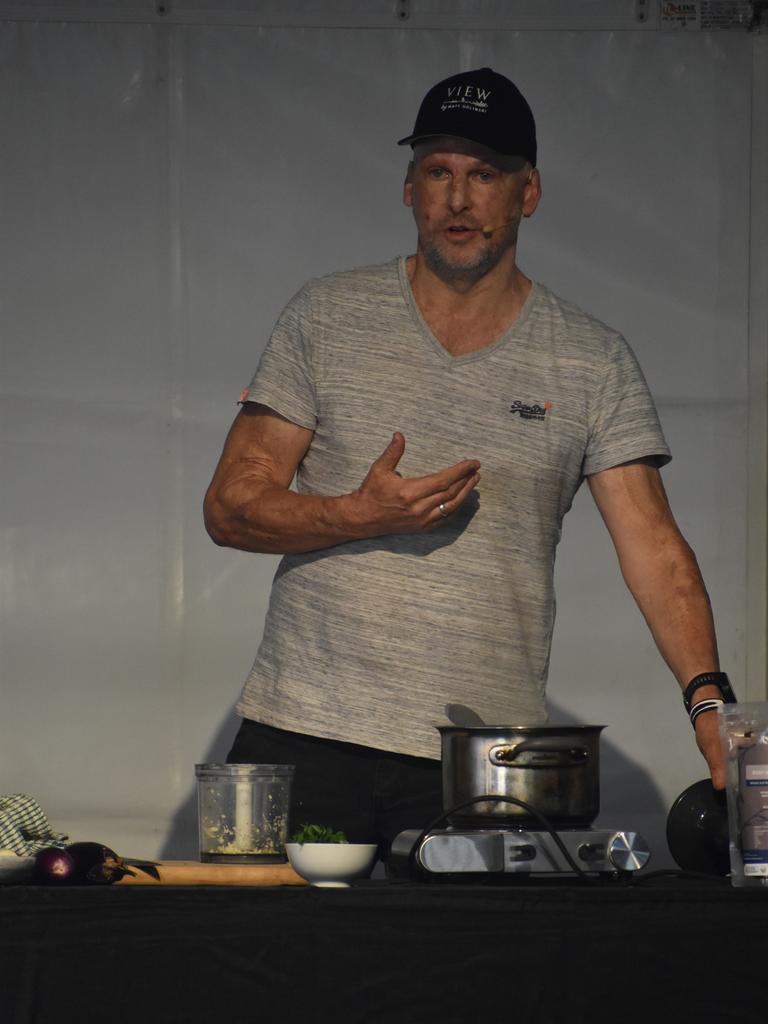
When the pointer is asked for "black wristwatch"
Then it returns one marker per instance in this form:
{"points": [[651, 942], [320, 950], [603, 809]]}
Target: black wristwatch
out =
{"points": [[718, 679]]}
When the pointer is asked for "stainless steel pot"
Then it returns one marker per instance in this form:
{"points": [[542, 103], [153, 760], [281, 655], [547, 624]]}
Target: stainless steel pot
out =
{"points": [[555, 769]]}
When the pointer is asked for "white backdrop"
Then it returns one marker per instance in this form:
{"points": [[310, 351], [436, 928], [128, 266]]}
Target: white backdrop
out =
{"points": [[167, 184]]}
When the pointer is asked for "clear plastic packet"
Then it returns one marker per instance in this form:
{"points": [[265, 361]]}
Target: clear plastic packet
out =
{"points": [[744, 741]]}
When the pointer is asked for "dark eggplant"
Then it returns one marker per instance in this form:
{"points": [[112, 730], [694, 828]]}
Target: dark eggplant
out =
{"points": [[54, 866], [96, 864]]}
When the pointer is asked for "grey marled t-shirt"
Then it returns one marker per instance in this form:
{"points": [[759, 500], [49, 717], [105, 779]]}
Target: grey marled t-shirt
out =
{"points": [[370, 640]]}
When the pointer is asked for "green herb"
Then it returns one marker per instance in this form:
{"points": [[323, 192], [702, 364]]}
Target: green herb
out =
{"points": [[318, 834]]}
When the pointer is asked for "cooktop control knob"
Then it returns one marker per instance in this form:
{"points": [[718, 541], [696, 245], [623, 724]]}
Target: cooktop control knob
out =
{"points": [[592, 853], [628, 851]]}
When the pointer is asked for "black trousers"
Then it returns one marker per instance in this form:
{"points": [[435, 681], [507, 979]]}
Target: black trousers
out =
{"points": [[371, 795]]}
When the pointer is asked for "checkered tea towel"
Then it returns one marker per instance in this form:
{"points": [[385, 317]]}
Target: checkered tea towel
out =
{"points": [[24, 828]]}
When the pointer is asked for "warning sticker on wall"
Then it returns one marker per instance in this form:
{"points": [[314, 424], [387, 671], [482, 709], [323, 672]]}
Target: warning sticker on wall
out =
{"points": [[680, 15], [705, 15]]}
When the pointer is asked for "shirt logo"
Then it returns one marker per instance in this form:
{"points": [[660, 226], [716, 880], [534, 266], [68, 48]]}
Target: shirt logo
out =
{"points": [[530, 412]]}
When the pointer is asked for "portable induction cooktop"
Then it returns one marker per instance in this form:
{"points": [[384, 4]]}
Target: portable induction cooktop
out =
{"points": [[516, 851], [536, 848]]}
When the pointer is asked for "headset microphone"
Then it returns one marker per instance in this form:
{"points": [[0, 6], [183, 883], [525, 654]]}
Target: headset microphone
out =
{"points": [[488, 229]]}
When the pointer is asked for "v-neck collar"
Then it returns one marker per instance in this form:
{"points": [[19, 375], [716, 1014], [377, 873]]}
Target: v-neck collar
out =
{"points": [[436, 345]]}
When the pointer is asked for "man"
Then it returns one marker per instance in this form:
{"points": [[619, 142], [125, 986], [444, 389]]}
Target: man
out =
{"points": [[410, 590]]}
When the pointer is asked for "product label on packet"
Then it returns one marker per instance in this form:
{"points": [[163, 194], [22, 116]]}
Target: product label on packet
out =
{"points": [[756, 775], [754, 869], [754, 812], [755, 849]]}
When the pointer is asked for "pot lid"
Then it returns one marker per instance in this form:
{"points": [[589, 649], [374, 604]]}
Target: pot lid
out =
{"points": [[697, 830]]}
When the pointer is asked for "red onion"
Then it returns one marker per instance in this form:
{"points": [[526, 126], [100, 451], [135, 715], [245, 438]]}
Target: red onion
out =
{"points": [[54, 866]]}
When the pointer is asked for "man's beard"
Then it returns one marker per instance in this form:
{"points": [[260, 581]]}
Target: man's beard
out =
{"points": [[462, 273]]}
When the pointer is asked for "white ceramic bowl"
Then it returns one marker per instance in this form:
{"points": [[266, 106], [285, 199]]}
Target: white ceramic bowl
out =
{"points": [[331, 864]]}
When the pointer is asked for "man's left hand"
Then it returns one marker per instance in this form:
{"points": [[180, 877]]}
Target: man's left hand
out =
{"points": [[708, 739]]}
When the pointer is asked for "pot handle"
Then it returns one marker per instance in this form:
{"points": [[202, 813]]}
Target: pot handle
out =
{"points": [[550, 754]]}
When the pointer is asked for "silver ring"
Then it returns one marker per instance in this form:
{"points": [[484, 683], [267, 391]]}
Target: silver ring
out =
{"points": [[443, 513]]}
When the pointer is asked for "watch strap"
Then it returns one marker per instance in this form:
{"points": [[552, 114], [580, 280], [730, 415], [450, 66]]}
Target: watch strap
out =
{"points": [[718, 679]]}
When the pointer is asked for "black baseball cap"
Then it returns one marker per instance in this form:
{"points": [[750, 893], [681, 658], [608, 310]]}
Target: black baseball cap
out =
{"points": [[481, 106]]}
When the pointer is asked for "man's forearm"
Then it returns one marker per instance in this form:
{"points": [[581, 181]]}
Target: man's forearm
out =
{"points": [[670, 592], [265, 518], [672, 596]]}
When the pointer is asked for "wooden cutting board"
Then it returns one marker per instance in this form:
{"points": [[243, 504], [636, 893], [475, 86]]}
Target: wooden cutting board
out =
{"points": [[191, 872]]}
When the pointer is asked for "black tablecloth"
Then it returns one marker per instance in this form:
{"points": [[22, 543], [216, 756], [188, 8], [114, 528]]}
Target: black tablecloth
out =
{"points": [[663, 950]]}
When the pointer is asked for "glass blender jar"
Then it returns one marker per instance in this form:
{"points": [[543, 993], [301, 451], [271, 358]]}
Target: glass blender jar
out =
{"points": [[243, 812]]}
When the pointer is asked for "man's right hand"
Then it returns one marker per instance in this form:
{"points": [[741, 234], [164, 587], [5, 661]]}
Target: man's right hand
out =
{"points": [[389, 503]]}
